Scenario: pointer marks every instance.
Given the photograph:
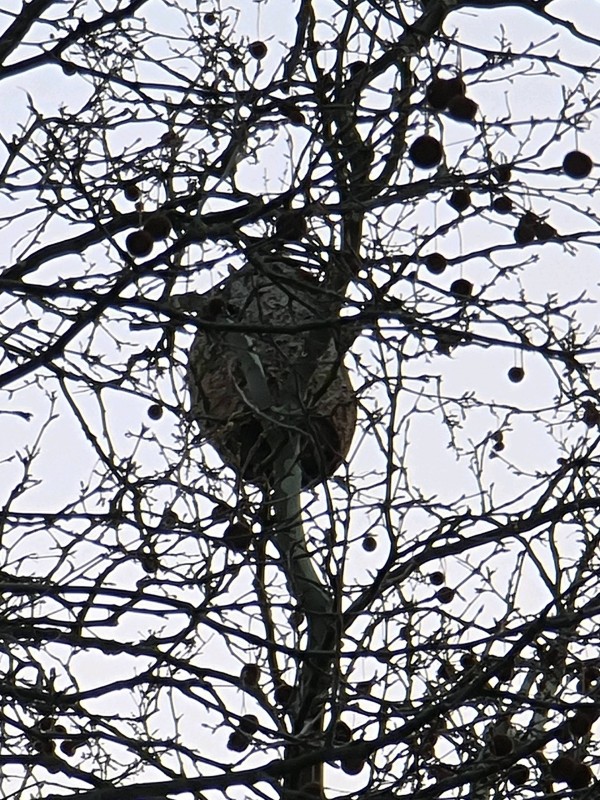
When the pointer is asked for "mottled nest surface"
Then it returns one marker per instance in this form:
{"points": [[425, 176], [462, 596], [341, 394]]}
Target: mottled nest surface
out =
{"points": [[309, 390]]}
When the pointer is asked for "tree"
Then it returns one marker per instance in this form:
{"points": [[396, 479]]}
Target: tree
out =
{"points": [[300, 409]]}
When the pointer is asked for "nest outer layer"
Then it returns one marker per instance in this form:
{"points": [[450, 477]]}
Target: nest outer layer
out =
{"points": [[310, 394]]}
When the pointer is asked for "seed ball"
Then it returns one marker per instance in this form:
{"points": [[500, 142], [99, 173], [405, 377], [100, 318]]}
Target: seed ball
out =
{"points": [[497, 437], [209, 18], [364, 688], [132, 192], [437, 578], [149, 562], [296, 618], [436, 263], [47, 747], [369, 544], [562, 768], [291, 226], [544, 231], [250, 675], [445, 594], [257, 50], [518, 774], [158, 226], [425, 152], [577, 164], [516, 374], [529, 218], [462, 288], [462, 109], [460, 199], [502, 173], [503, 205], [580, 724], [525, 230], [441, 90], [352, 766], [342, 733], [580, 777], [248, 724], [68, 748], [68, 69], [468, 660], [582, 721], [155, 411], [139, 244], [238, 536], [238, 742], [283, 694]]}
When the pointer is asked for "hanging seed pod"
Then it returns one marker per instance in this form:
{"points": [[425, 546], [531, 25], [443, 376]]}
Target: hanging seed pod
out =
{"points": [[503, 204], [131, 192], [158, 226], [238, 536], [525, 231], [257, 50], [502, 173], [139, 244], [462, 109], [460, 199], [544, 231], [577, 164], [238, 742], [353, 766], [461, 288], [580, 777], [248, 724], [342, 733], [425, 152], [155, 411], [283, 694], [445, 594], [436, 263], [369, 543], [440, 91], [250, 675], [518, 774]]}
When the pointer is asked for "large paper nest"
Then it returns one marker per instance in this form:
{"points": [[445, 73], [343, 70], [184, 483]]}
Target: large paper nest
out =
{"points": [[308, 391]]}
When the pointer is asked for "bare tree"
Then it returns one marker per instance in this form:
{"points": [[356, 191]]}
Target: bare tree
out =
{"points": [[300, 406]]}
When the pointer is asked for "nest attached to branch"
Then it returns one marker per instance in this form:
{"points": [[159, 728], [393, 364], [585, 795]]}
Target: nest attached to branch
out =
{"points": [[253, 387]]}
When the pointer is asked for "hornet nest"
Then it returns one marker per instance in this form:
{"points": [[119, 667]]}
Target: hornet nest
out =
{"points": [[258, 374]]}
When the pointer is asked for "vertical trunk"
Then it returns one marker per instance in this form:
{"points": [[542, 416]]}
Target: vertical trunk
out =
{"points": [[315, 600]]}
